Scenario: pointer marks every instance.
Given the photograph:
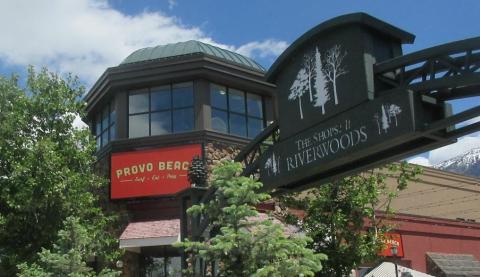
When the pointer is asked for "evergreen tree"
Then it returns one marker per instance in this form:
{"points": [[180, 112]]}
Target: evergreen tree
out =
{"points": [[385, 120], [243, 245], [67, 258], [321, 95]]}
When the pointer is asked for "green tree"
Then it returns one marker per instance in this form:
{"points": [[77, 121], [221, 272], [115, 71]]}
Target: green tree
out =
{"points": [[341, 218], [242, 244], [46, 168], [67, 257]]}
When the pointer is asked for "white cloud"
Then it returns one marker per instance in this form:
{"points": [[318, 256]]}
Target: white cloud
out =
{"points": [[269, 47], [87, 36], [172, 4], [420, 161], [78, 123]]}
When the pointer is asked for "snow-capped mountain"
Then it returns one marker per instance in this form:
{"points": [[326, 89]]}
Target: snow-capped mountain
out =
{"points": [[466, 164]]}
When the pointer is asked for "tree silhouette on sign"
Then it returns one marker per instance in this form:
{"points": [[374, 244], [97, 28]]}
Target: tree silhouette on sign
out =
{"points": [[393, 111], [321, 94], [333, 67], [376, 117], [272, 165], [385, 120], [298, 88], [275, 164], [310, 68]]}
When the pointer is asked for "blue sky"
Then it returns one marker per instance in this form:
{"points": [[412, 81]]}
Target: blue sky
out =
{"points": [[240, 22], [87, 36]]}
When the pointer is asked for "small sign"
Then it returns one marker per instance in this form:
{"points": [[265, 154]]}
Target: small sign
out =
{"points": [[152, 172], [390, 241]]}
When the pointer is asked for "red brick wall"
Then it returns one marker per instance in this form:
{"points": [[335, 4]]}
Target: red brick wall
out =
{"points": [[421, 235]]}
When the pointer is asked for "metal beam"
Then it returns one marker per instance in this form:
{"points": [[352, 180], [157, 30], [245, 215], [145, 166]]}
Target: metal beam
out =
{"points": [[422, 55]]}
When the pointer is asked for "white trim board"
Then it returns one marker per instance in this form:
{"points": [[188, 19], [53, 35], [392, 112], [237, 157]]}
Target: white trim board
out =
{"points": [[143, 242]]}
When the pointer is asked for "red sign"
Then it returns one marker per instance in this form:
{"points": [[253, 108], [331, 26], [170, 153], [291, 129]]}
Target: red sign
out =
{"points": [[152, 172], [392, 240]]}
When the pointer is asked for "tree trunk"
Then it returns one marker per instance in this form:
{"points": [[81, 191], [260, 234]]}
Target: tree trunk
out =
{"points": [[335, 90], [300, 105], [310, 85]]}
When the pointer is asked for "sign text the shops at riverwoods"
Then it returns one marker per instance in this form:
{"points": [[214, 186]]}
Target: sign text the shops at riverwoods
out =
{"points": [[332, 120], [154, 172]]}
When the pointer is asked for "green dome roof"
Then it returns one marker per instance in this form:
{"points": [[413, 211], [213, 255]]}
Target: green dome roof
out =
{"points": [[188, 48]]}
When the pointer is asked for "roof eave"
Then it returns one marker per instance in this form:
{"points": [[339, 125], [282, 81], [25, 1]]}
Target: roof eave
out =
{"points": [[104, 82]]}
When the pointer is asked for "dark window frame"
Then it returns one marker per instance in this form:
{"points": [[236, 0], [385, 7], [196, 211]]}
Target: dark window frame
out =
{"points": [[104, 129], [171, 109], [228, 111], [165, 260]]}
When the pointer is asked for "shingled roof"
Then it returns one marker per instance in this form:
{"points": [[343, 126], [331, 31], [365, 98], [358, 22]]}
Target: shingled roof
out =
{"points": [[452, 265], [150, 233]]}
